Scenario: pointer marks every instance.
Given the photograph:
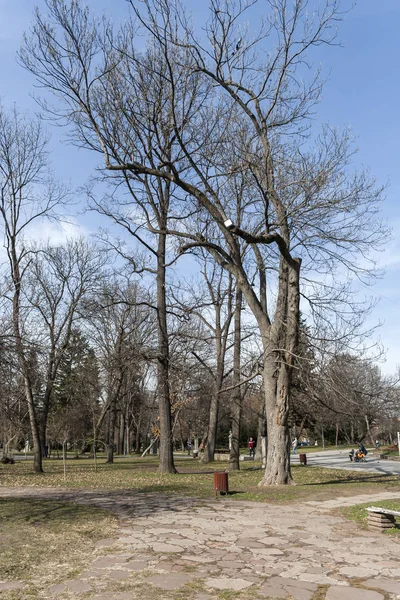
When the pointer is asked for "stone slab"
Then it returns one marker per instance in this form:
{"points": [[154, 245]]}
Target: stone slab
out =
{"points": [[170, 582], [11, 585], [79, 586], [222, 583], [136, 565], [387, 585], [159, 547], [280, 587], [119, 575], [104, 562], [351, 593]]}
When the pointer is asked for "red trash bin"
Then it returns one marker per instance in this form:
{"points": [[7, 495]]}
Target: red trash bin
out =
{"points": [[221, 483], [303, 459]]}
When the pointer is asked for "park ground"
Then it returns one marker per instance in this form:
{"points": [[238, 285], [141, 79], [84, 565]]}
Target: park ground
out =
{"points": [[124, 532]]}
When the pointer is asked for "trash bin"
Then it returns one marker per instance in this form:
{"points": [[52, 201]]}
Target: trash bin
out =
{"points": [[221, 483], [303, 459]]}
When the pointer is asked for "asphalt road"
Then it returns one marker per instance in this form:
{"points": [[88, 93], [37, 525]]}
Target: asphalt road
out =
{"points": [[339, 459]]}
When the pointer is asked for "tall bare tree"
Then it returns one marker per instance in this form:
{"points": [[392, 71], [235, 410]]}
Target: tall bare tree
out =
{"points": [[249, 99], [59, 280], [120, 326], [27, 195]]}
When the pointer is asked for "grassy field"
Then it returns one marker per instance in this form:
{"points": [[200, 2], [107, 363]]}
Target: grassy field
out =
{"points": [[43, 542], [195, 479]]}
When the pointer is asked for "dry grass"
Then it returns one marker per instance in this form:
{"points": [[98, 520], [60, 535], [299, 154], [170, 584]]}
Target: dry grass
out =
{"points": [[44, 542], [196, 480]]}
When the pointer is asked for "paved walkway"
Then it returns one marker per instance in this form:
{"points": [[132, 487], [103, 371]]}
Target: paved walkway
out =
{"points": [[339, 459], [173, 548]]}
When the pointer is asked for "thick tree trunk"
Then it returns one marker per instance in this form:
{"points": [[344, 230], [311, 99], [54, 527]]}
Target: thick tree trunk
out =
{"points": [[260, 430], [369, 434], [236, 411], [278, 375], [166, 450], [37, 451], [277, 408]]}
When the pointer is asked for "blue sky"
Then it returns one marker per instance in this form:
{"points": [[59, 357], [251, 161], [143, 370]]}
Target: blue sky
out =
{"points": [[362, 92]]}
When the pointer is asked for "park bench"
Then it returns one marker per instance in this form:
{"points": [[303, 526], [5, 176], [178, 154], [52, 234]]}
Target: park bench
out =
{"points": [[381, 518]]}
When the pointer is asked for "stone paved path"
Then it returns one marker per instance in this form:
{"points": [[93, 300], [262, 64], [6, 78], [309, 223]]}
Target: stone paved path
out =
{"points": [[178, 548]]}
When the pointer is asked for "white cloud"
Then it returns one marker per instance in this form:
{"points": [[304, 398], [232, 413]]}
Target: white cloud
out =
{"points": [[56, 232]]}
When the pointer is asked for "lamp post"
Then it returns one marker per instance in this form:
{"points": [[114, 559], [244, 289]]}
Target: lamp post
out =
{"points": [[398, 441]]}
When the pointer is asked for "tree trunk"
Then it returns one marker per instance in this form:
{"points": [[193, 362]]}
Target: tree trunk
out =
{"points": [[24, 366], [236, 412], [137, 440], [278, 375], [260, 430], [220, 345], [369, 434], [277, 408], [43, 418], [127, 446], [112, 417], [166, 450], [37, 452], [121, 434], [209, 448]]}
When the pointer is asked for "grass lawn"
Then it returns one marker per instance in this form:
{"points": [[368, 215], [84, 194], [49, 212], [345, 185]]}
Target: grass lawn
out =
{"points": [[195, 479], [44, 542]]}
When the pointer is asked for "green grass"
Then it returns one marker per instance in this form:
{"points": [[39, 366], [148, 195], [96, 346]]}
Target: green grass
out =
{"points": [[359, 514], [196, 479], [44, 542]]}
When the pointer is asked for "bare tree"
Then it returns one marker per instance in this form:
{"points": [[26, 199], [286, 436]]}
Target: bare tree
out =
{"points": [[249, 99], [59, 280], [121, 327], [212, 304], [26, 195]]}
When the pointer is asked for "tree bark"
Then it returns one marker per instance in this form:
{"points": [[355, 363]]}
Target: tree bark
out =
{"points": [[166, 450], [209, 448], [121, 433], [277, 377], [236, 413], [112, 416], [260, 430]]}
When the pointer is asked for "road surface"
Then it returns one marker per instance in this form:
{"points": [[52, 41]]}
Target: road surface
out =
{"points": [[339, 459]]}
